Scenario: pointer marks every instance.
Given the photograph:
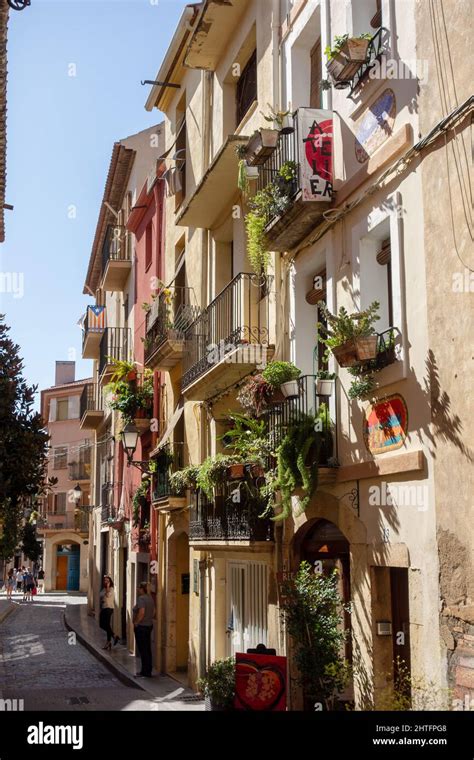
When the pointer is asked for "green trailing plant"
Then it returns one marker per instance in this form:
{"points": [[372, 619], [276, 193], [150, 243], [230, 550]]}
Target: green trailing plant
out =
{"points": [[219, 683], [255, 394], [213, 472], [313, 611], [257, 249], [129, 396], [362, 385], [276, 373], [139, 498], [342, 327], [183, 479], [324, 374], [293, 469], [331, 51], [120, 370], [247, 439]]}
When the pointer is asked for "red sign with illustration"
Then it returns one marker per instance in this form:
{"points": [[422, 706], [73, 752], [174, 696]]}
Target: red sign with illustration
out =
{"points": [[385, 425], [315, 136], [260, 682]]}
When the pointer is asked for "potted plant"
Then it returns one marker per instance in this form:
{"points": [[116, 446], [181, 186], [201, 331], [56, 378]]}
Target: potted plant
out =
{"points": [[255, 394], [345, 57], [248, 440], [218, 685], [183, 479], [261, 145], [325, 382], [283, 375], [213, 472], [351, 338]]}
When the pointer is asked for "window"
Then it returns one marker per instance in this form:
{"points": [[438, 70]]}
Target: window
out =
{"points": [[60, 458], [246, 92], [62, 409], [148, 245], [59, 506], [247, 604], [180, 162]]}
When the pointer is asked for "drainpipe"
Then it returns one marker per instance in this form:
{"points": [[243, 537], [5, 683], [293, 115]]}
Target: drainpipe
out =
{"points": [[325, 41], [276, 53]]}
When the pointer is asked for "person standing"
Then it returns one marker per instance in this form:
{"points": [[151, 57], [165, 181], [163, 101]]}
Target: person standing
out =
{"points": [[143, 614], [29, 585], [41, 581], [24, 580], [107, 604], [19, 578], [11, 581]]}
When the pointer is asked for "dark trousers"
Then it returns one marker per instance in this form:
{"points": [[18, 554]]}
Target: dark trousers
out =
{"points": [[143, 639], [104, 622]]}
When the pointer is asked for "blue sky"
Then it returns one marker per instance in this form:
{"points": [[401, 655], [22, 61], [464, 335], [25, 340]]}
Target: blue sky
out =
{"points": [[60, 133]]}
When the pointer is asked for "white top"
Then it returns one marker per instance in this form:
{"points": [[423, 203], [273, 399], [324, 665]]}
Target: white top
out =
{"points": [[107, 598]]}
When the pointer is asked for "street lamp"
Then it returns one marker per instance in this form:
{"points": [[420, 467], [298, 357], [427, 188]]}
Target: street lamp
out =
{"points": [[129, 436], [19, 5], [77, 493]]}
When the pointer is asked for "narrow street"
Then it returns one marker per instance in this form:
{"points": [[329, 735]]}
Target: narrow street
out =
{"points": [[39, 664]]}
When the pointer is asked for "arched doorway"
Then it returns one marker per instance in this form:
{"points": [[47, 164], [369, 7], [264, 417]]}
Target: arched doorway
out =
{"points": [[68, 567], [324, 546]]}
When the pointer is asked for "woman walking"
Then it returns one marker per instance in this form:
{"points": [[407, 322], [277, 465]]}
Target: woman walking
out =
{"points": [[107, 603]]}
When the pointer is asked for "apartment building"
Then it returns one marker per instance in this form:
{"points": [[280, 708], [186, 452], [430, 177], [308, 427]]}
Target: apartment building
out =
{"points": [[63, 522], [121, 266], [361, 222]]}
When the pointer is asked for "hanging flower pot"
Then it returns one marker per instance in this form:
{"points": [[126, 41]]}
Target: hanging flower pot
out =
{"points": [[346, 354], [290, 389], [366, 347], [236, 471], [324, 387], [345, 63], [261, 145], [132, 375]]}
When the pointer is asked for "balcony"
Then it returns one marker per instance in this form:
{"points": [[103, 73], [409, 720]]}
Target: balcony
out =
{"points": [[116, 258], [227, 519], [115, 345], [91, 407], [77, 521], [92, 331], [286, 413], [170, 316], [309, 194], [229, 339], [79, 471], [107, 511], [169, 459]]}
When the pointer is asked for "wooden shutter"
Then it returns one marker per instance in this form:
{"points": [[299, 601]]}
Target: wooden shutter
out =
{"points": [[73, 408], [316, 76]]}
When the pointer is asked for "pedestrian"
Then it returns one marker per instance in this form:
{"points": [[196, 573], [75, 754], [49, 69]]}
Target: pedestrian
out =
{"points": [[24, 576], [11, 580], [41, 581], [19, 578], [143, 614], [107, 604], [29, 583]]}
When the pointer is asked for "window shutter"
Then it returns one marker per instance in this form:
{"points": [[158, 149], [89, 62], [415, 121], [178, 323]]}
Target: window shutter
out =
{"points": [[53, 410], [73, 408], [316, 76]]}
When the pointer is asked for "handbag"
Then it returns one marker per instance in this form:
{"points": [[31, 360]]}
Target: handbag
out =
{"points": [[34, 591]]}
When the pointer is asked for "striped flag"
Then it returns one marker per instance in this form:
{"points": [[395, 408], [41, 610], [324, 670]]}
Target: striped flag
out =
{"points": [[96, 318]]}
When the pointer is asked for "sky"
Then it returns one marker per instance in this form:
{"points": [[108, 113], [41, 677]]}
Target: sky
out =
{"points": [[60, 132]]}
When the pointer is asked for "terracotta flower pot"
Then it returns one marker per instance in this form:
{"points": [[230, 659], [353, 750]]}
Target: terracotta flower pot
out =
{"points": [[261, 145], [236, 471], [366, 348], [346, 63], [346, 354]]}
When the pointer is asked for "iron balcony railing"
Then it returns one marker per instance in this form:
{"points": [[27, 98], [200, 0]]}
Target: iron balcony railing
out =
{"points": [[170, 315], [232, 515], [116, 245], [269, 172], [92, 399], [386, 351], [169, 460], [107, 502], [238, 316], [289, 412], [115, 345], [377, 46]]}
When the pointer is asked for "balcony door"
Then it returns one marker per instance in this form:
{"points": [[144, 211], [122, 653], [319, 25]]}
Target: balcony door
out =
{"points": [[247, 605]]}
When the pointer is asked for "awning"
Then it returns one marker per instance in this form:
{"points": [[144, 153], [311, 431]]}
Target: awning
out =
{"points": [[171, 426]]}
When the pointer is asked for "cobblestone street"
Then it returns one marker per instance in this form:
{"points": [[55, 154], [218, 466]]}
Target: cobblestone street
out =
{"points": [[40, 665]]}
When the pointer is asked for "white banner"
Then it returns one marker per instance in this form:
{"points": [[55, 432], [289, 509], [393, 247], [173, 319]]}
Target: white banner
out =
{"points": [[315, 154]]}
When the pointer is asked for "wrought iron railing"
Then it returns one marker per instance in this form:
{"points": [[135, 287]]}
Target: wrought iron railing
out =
{"points": [[238, 316], [376, 48], [283, 415], [169, 460], [386, 351], [92, 399], [107, 502], [234, 514], [170, 315], [116, 245], [269, 172], [116, 345]]}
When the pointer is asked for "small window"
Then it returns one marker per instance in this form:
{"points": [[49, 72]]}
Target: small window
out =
{"points": [[148, 245], [246, 92], [60, 458], [62, 409], [60, 503]]}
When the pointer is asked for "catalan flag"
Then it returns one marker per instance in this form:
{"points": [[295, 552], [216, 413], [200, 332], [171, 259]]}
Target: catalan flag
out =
{"points": [[96, 318]]}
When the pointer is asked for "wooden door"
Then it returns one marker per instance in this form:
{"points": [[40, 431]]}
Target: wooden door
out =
{"points": [[61, 573]]}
